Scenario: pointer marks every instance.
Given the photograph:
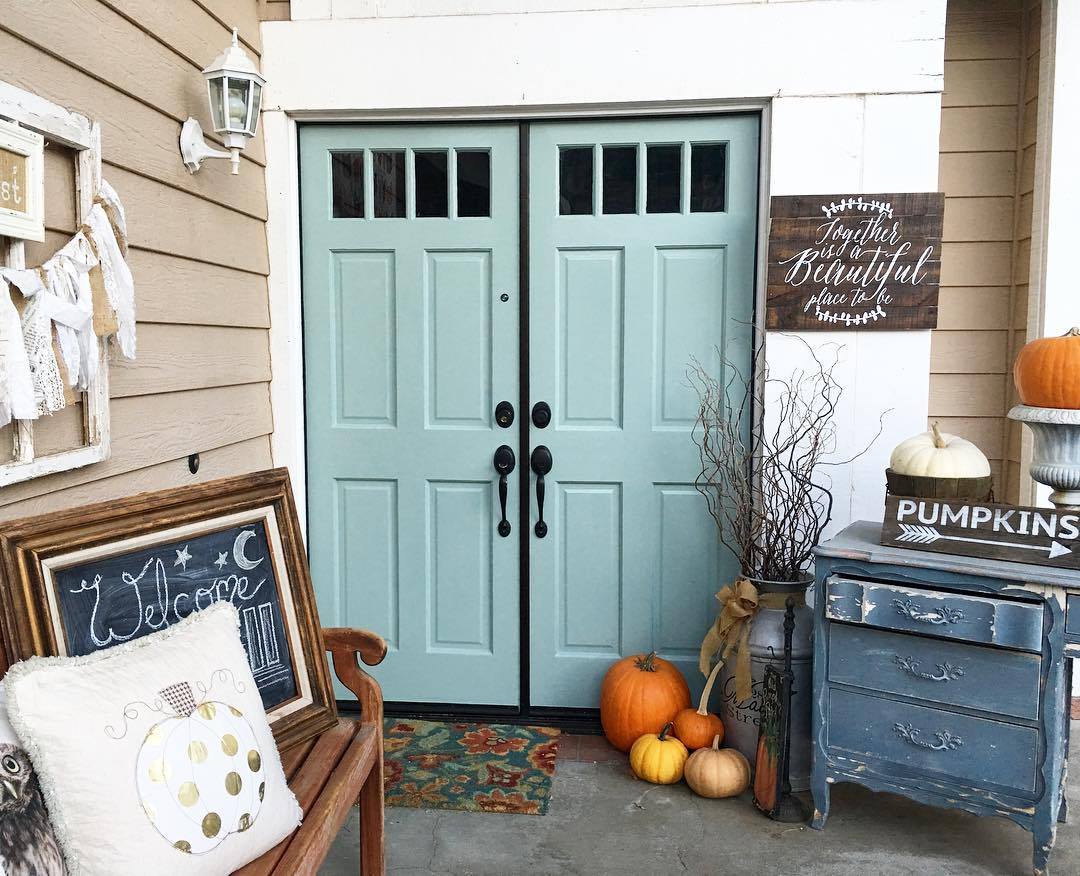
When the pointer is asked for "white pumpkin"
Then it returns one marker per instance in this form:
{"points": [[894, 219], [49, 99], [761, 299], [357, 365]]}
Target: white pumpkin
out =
{"points": [[935, 454], [199, 773]]}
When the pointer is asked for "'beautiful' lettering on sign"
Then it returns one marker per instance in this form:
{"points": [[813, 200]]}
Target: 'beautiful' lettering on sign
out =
{"points": [[1004, 532], [854, 261]]}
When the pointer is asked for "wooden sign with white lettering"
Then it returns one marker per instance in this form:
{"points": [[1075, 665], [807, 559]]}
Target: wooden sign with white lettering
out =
{"points": [[854, 261], [22, 183], [1044, 536], [13, 172]]}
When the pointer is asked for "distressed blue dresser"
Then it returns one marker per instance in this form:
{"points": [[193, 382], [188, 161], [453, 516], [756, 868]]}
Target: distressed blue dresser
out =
{"points": [[944, 679]]}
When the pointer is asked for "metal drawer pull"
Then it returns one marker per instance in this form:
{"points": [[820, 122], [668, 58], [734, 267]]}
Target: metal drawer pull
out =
{"points": [[945, 671], [946, 741], [937, 616]]}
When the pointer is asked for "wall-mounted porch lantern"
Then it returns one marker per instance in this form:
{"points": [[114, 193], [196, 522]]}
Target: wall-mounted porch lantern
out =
{"points": [[234, 87]]}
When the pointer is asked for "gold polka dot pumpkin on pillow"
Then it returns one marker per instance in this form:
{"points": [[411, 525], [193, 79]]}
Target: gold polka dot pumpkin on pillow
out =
{"points": [[199, 773]]}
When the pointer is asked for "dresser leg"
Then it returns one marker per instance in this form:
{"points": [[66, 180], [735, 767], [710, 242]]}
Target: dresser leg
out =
{"points": [[1044, 841], [820, 790]]}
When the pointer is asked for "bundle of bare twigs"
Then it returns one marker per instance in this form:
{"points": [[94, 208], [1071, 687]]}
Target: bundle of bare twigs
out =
{"points": [[765, 443]]}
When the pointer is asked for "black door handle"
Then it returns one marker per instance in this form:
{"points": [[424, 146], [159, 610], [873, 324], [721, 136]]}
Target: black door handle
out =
{"points": [[504, 464], [541, 462]]}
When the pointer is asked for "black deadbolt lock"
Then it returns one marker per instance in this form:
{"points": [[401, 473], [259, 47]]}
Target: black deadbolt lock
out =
{"points": [[504, 414], [541, 415]]}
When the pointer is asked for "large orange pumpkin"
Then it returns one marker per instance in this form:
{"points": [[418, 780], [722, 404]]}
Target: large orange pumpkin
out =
{"points": [[1047, 372], [640, 695]]}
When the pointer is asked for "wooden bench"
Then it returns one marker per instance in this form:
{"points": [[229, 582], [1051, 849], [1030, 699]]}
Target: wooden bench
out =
{"points": [[329, 773]]}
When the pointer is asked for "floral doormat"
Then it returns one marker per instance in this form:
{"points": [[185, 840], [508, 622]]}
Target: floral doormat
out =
{"points": [[479, 767]]}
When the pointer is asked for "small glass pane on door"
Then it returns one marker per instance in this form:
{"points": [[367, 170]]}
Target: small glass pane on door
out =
{"points": [[347, 184], [620, 179], [663, 179], [575, 181], [473, 183], [389, 178], [707, 172], [432, 184]]}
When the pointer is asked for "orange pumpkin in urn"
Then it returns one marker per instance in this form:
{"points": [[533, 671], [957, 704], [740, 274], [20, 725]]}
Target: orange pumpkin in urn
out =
{"points": [[640, 695], [1047, 372]]}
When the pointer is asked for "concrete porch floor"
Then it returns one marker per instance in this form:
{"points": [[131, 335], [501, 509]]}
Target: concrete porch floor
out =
{"points": [[602, 820]]}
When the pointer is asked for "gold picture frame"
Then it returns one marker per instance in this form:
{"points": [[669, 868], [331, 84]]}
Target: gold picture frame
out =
{"points": [[84, 580]]}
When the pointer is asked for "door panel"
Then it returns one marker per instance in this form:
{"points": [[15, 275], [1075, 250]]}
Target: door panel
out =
{"points": [[642, 241], [410, 240]]}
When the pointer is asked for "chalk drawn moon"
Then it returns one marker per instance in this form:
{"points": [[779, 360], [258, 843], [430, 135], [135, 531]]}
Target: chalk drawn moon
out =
{"points": [[238, 551]]}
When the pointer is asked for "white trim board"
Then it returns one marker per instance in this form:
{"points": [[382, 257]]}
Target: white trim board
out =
{"points": [[734, 51]]}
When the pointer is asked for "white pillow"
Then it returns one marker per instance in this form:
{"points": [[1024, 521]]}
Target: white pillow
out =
{"points": [[27, 841], [155, 755]]}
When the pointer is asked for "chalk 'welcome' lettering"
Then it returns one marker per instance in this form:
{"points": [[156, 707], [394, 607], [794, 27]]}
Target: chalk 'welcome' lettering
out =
{"points": [[161, 607]]}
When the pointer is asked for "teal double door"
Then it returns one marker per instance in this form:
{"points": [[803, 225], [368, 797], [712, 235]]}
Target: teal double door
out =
{"points": [[498, 323]]}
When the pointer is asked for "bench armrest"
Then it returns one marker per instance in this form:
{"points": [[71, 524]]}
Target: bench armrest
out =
{"points": [[347, 647]]}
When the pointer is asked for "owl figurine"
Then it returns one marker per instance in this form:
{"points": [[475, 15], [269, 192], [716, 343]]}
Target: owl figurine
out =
{"points": [[28, 846]]}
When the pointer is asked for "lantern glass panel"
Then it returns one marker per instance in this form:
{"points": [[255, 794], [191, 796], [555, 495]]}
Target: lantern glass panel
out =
{"points": [[238, 104], [256, 102], [217, 103]]}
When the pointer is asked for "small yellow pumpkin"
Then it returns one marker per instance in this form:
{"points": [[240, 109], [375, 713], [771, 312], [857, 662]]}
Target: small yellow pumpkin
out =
{"points": [[717, 772], [658, 758]]}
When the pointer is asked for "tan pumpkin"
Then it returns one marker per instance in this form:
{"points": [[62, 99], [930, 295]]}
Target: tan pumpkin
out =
{"points": [[640, 695], [1047, 372], [658, 758], [717, 772], [697, 727]]}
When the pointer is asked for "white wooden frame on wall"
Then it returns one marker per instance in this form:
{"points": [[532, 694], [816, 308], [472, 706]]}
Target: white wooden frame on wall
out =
{"points": [[65, 128]]}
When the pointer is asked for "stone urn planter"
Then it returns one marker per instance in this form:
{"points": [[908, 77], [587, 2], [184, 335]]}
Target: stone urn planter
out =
{"points": [[1055, 460]]}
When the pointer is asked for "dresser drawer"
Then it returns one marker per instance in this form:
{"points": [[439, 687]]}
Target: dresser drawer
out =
{"points": [[975, 750], [1003, 622], [952, 673]]}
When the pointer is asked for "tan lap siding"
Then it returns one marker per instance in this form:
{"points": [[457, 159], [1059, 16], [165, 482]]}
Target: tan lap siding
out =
{"points": [[198, 243], [981, 127]]}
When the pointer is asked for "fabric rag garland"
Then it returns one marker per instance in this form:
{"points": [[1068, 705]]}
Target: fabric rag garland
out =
{"points": [[85, 291]]}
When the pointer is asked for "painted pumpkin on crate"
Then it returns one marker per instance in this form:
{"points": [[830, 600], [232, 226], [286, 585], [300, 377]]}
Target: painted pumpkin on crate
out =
{"points": [[640, 695], [658, 758], [199, 773], [1047, 372], [717, 772], [697, 727]]}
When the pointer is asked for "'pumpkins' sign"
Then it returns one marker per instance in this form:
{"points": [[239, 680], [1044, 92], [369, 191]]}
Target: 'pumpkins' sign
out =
{"points": [[1044, 536], [22, 192], [855, 261]]}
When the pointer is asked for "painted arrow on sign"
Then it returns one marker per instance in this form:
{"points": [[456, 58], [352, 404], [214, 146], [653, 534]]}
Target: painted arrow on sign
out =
{"points": [[912, 533]]}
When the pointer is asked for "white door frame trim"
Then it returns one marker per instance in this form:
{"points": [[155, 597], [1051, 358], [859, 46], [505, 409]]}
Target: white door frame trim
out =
{"points": [[281, 137]]}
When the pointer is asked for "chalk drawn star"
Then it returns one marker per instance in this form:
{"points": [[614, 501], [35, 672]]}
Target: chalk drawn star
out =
{"points": [[182, 558], [222, 560]]}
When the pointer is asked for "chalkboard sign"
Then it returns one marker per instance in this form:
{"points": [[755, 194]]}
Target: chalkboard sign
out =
{"points": [[125, 596], [79, 581], [854, 261]]}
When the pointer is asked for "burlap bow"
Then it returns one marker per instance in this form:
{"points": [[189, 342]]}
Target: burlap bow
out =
{"points": [[739, 602]]}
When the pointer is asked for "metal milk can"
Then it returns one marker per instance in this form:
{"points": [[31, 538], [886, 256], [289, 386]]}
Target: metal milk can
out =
{"points": [[742, 718]]}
